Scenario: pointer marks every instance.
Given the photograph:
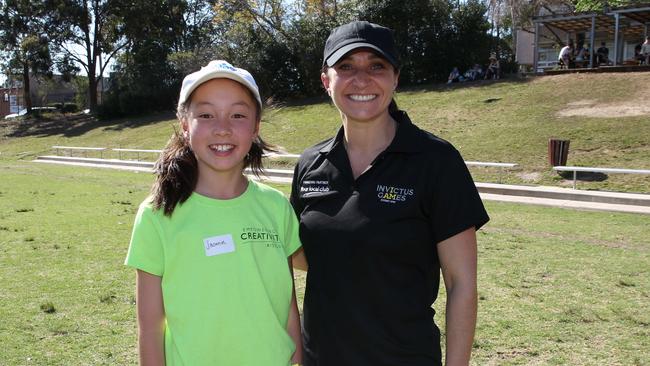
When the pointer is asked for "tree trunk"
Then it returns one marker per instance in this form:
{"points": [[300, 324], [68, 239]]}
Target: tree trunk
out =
{"points": [[27, 98], [92, 93]]}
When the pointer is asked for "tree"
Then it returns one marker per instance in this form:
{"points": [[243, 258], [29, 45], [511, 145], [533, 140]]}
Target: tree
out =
{"points": [[423, 30], [88, 34], [470, 37], [23, 30]]}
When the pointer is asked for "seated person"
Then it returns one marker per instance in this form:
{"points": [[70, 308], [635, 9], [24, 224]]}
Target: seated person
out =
{"points": [[565, 58], [581, 56], [492, 71], [454, 76], [638, 56], [475, 73], [645, 50], [602, 55]]}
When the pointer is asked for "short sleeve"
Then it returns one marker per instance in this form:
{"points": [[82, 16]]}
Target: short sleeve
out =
{"points": [[146, 251], [455, 202], [294, 198], [291, 226]]}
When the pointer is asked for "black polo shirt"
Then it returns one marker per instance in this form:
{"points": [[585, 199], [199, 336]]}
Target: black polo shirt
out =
{"points": [[371, 247]]}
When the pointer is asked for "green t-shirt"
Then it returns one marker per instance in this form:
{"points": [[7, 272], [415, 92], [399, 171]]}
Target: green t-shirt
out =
{"points": [[225, 277]]}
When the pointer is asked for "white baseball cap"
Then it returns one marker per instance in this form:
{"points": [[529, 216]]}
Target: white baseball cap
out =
{"points": [[217, 69]]}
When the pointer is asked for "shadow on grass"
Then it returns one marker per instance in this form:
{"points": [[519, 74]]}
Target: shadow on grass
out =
{"points": [[585, 176], [74, 125], [444, 87]]}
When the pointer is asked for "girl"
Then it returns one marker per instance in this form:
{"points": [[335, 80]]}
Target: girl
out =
{"points": [[211, 248]]}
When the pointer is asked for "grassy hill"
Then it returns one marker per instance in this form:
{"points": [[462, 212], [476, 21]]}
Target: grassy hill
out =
{"points": [[606, 117]]}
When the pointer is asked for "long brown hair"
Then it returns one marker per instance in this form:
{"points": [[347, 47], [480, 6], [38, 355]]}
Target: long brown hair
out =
{"points": [[177, 171]]}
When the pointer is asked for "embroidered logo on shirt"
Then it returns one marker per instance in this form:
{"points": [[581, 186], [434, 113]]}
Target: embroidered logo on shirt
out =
{"points": [[218, 245], [389, 194], [314, 186]]}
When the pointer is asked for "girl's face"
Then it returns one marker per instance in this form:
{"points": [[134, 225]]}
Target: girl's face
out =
{"points": [[361, 85], [221, 124]]}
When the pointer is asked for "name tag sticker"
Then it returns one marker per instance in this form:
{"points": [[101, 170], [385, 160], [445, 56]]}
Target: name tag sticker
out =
{"points": [[218, 245]]}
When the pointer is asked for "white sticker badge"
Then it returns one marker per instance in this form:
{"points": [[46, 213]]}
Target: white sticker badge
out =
{"points": [[218, 245]]}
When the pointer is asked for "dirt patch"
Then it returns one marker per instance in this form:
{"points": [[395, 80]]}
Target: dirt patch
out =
{"points": [[591, 108], [530, 177]]}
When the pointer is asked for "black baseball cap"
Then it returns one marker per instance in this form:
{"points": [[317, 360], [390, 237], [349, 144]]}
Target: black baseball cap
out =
{"points": [[360, 34]]}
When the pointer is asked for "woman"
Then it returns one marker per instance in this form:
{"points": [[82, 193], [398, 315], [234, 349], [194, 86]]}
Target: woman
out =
{"points": [[383, 207]]}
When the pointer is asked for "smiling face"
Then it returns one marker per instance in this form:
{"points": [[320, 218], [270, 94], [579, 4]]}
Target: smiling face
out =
{"points": [[221, 123], [361, 85]]}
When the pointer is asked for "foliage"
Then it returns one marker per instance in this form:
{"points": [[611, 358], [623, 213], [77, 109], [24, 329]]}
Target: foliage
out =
{"points": [[24, 34], [80, 85], [89, 25], [153, 44], [166, 40]]}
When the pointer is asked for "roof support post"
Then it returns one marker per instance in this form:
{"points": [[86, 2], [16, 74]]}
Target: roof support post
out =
{"points": [[592, 35], [536, 49], [616, 48]]}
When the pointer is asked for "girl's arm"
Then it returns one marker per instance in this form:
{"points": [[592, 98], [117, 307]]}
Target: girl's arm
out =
{"points": [[293, 325], [458, 263], [151, 319], [298, 260]]}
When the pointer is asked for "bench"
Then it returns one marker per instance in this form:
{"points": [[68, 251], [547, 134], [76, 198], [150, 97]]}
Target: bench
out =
{"points": [[499, 165], [137, 151], [272, 155], [490, 164], [78, 148], [576, 169]]}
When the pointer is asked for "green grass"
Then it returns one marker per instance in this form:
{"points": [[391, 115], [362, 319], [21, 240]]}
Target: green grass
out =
{"points": [[556, 287], [508, 121]]}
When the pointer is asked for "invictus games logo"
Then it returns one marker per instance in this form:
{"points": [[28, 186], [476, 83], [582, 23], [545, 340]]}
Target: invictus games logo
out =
{"points": [[261, 235], [390, 194]]}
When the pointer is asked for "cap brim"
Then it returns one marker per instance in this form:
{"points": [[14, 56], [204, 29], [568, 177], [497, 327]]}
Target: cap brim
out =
{"points": [[336, 56], [220, 75]]}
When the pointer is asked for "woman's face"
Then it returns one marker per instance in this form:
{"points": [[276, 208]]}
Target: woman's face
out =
{"points": [[361, 85]]}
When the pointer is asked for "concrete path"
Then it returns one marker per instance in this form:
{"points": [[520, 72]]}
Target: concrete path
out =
{"points": [[535, 195]]}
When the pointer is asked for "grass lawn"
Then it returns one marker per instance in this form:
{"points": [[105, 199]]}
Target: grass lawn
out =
{"points": [[556, 287], [506, 121]]}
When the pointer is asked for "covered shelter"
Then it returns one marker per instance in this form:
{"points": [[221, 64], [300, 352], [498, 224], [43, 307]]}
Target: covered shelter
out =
{"points": [[618, 24]]}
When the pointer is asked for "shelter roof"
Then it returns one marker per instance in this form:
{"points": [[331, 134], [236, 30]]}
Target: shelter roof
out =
{"points": [[632, 22]]}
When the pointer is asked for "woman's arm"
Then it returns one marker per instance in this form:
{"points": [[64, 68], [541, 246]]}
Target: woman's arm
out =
{"points": [[151, 319], [293, 325], [458, 263]]}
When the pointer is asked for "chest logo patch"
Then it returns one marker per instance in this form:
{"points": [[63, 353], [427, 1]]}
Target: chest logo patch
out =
{"points": [[390, 194], [309, 186]]}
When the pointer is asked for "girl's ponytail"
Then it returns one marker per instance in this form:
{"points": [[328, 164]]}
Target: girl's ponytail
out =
{"points": [[176, 173]]}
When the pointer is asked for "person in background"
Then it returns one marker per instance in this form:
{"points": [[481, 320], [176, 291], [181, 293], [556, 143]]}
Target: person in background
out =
{"points": [[493, 69], [210, 247], [454, 76], [602, 54], [384, 208], [565, 58], [645, 50], [638, 55]]}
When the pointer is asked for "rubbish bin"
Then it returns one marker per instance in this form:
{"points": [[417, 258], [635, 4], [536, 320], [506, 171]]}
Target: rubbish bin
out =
{"points": [[558, 151]]}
